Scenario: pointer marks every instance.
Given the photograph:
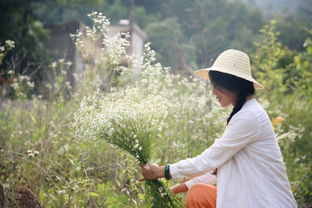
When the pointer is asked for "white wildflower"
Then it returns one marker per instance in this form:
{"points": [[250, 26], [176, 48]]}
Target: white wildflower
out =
{"points": [[61, 192], [10, 43], [53, 65], [30, 84], [10, 72], [14, 85]]}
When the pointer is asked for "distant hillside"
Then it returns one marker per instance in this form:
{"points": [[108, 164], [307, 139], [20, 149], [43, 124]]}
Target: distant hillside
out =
{"points": [[299, 8], [290, 6]]}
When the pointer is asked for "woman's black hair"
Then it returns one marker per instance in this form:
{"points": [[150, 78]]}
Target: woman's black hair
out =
{"points": [[243, 88]]}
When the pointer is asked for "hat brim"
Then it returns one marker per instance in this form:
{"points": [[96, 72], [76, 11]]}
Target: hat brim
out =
{"points": [[203, 73]]}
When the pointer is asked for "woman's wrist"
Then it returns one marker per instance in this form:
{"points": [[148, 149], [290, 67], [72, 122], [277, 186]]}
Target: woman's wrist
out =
{"points": [[161, 172], [167, 172]]}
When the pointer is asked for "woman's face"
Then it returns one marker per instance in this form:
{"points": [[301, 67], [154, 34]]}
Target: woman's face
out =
{"points": [[224, 96]]}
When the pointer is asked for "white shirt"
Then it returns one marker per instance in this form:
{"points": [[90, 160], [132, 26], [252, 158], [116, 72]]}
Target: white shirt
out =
{"points": [[207, 178], [251, 171]]}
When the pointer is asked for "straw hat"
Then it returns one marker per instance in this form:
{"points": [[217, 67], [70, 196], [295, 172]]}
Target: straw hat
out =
{"points": [[232, 62]]}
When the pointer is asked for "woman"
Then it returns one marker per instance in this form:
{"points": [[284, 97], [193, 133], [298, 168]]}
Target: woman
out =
{"points": [[250, 167]]}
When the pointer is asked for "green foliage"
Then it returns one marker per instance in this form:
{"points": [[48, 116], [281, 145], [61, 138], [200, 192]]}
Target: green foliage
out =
{"points": [[303, 64], [191, 33], [166, 37], [292, 32], [198, 33], [29, 57], [265, 59], [117, 11]]}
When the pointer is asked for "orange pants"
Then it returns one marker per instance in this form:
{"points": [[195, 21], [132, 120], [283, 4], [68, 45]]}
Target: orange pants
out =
{"points": [[201, 196]]}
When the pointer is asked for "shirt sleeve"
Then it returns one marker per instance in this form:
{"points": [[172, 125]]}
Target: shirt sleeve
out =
{"points": [[207, 178], [241, 130]]}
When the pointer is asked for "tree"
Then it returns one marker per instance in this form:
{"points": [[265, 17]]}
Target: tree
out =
{"points": [[166, 38], [23, 22], [20, 24], [292, 32]]}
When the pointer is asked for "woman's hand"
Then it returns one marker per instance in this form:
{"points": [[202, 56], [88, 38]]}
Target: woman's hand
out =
{"points": [[179, 188], [152, 171]]}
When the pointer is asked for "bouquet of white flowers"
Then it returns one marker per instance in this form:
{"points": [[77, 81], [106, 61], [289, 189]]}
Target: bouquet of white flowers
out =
{"points": [[129, 120]]}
